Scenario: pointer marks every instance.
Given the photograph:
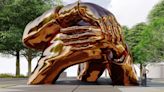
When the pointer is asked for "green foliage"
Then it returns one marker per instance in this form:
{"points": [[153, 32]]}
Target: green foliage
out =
{"points": [[146, 40], [20, 76], [6, 75], [144, 49], [133, 35], [10, 41], [156, 25], [135, 39], [157, 11], [20, 12], [14, 16]]}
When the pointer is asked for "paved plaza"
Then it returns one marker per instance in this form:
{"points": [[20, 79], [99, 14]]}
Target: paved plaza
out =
{"points": [[73, 85]]}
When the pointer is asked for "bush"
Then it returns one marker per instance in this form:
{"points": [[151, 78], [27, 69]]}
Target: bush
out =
{"points": [[6, 75], [20, 76]]}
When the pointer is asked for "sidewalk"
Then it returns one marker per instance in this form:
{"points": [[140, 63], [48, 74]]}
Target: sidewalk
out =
{"points": [[73, 85]]}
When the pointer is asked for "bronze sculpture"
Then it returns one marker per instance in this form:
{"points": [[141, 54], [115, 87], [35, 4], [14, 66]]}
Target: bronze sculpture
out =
{"points": [[79, 33]]}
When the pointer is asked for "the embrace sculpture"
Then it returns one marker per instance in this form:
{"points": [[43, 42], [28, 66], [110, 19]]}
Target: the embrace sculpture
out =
{"points": [[79, 33]]}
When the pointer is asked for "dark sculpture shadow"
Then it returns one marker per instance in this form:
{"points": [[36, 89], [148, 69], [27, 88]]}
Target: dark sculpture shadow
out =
{"points": [[74, 81]]}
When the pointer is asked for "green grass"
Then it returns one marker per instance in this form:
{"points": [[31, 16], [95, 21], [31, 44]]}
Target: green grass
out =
{"points": [[6, 75]]}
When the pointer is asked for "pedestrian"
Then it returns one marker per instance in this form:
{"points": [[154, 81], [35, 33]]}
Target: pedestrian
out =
{"points": [[144, 76]]}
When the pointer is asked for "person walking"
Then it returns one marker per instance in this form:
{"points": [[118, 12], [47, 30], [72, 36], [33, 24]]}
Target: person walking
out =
{"points": [[144, 76]]}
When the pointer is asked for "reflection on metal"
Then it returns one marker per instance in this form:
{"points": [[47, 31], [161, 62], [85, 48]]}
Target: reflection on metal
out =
{"points": [[79, 33]]}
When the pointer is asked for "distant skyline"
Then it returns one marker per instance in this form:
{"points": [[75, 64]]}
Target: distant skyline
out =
{"points": [[127, 12]]}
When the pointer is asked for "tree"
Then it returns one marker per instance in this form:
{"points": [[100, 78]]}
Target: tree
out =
{"points": [[146, 40], [133, 35], [135, 39], [12, 47], [29, 54], [157, 11], [14, 16], [156, 22], [157, 27]]}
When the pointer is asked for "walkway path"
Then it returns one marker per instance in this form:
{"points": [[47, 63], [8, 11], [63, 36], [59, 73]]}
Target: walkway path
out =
{"points": [[73, 85]]}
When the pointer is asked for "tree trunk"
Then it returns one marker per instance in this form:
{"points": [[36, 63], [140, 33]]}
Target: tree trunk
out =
{"points": [[17, 63], [141, 67], [29, 59], [29, 65]]}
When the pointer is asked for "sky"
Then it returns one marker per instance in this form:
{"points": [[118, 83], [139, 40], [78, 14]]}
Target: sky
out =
{"points": [[127, 12]]}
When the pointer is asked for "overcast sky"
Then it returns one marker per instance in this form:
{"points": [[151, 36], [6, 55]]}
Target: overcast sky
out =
{"points": [[127, 12]]}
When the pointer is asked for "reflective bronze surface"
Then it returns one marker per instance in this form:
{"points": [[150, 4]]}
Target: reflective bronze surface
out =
{"points": [[79, 33]]}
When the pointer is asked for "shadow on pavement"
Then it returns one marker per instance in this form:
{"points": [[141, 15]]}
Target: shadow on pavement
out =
{"points": [[74, 81]]}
